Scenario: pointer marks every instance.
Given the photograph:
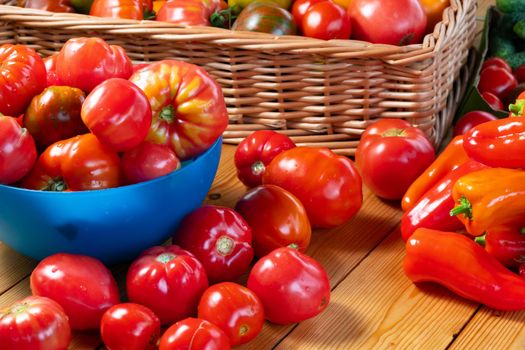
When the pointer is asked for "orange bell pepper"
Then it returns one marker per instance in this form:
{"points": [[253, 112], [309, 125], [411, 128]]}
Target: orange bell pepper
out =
{"points": [[434, 10]]}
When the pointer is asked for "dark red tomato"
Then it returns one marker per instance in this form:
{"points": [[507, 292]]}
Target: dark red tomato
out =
{"points": [[130, 326], [194, 334], [326, 20], [470, 120], [507, 245], [51, 69], [22, 76], [130, 9], [148, 161], [17, 151], [265, 17], [168, 280], [496, 61], [299, 8], [328, 185], [292, 286], [221, 240], [391, 155], [256, 151], [395, 22], [49, 5], [82, 285], [498, 81], [188, 12], [118, 113], [54, 115], [34, 323], [277, 218], [519, 73], [493, 101], [235, 309], [86, 62]]}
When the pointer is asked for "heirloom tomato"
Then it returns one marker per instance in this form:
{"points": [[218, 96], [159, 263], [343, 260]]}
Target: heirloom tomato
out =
{"points": [[194, 334], [265, 17], [54, 115], [326, 20], [328, 185], [86, 62], [277, 218], [48, 5], [220, 239], [188, 12], [470, 120], [148, 161], [76, 164], [235, 309], [391, 155], [256, 151], [497, 80], [130, 326], [168, 280], [82, 285], [130, 9], [292, 286], [50, 63], [34, 323], [17, 151], [22, 76]]}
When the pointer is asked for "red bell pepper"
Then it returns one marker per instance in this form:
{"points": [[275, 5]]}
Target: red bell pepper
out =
{"points": [[506, 244]]}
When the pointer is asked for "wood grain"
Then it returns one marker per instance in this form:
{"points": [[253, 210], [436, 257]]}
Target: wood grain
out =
{"points": [[13, 267]]}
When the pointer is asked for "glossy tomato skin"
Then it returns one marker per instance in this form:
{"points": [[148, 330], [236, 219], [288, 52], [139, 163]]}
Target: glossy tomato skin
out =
{"points": [[394, 22], [188, 12], [49, 5], [299, 8], [168, 280], [22, 76], [496, 61], [493, 101], [235, 309], [326, 20], [265, 17], [470, 120], [220, 239], [50, 63], [329, 186], [82, 285], [86, 62], [34, 323], [497, 80], [118, 113], [256, 151], [17, 151], [292, 286], [130, 9], [391, 155], [130, 326], [277, 218], [148, 161], [194, 334]]}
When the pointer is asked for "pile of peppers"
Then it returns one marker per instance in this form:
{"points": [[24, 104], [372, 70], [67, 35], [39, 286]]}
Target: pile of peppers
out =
{"points": [[464, 217]]}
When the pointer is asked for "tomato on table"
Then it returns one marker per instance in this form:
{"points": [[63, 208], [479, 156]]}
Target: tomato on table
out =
{"points": [[470, 120], [326, 20], [148, 161], [130, 9], [194, 333]]}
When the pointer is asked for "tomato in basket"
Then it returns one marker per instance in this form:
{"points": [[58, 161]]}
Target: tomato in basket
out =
{"points": [[265, 17], [129, 9], [326, 20]]}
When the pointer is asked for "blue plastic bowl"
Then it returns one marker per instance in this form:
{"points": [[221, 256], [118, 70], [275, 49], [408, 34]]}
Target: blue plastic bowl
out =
{"points": [[113, 225]]}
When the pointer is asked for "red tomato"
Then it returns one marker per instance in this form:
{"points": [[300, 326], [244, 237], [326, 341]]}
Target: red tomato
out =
{"points": [[299, 8], [292, 286], [256, 151], [498, 81], [130, 9], [76, 164], [86, 62], [50, 63], [326, 20], [22, 76], [194, 334], [391, 155], [118, 113], [277, 218], [395, 22], [221, 240], [130, 326], [148, 161], [493, 101], [169, 280], [496, 61], [48, 5], [235, 309], [470, 120], [82, 285], [519, 73], [188, 12], [328, 185], [189, 112], [17, 151], [34, 323]]}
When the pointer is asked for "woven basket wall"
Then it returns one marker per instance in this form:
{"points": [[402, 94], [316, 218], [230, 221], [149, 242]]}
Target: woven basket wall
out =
{"points": [[321, 93]]}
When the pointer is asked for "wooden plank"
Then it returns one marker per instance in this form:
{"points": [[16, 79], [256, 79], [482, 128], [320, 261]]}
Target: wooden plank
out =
{"points": [[13, 267]]}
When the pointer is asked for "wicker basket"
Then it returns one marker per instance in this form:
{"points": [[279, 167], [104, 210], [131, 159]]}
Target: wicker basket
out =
{"points": [[322, 93]]}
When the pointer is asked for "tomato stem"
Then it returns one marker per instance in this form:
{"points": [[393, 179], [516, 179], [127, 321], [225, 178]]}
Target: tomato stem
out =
{"points": [[224, 245], [165, 257], [167, 113], [258, 168], [481, 240], [243, 329], [394, 132], [464, 207], [516, 109], [58, 185], [293, 246]]}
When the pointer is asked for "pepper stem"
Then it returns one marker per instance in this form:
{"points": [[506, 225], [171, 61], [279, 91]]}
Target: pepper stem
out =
{"points": [[481, 240], [464, 208], [517, 108]]}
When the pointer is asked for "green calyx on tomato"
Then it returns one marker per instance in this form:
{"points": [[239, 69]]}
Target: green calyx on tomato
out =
{"points": [[167, 114], [224, 245], [258, 168], [165, 257], [56, 185], [225, 18], [395, 133]]}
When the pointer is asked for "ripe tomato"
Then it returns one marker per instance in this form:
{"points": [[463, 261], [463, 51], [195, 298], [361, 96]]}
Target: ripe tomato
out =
{"points": [[277, 218], [434, 12], [256, 151], [148, 161], [118, 113], [496, 61], [130, 326], [265, 17], [189, 112], [130, 9], [299, 8], [497, 80], [391, 155], [470, 120], [194, 334], [22, 76], [54, 115], [17, 151], [328, 185], [326, 20], [292, 286], [188, 12], [86, 62], [169, 280], [76, 164], [50, 63], [493, 101], [395, 22], [82, 285], [34, 323], [221, 240], [235, 309]]}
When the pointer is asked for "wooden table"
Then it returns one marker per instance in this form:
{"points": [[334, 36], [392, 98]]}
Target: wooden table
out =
{"points": [[373, 305]]}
